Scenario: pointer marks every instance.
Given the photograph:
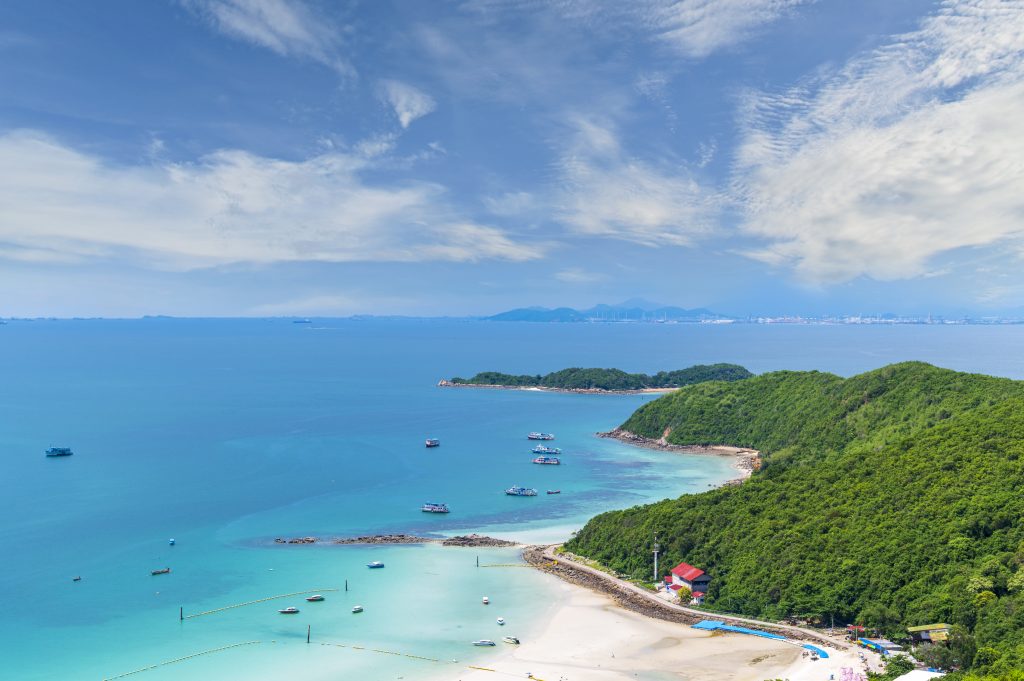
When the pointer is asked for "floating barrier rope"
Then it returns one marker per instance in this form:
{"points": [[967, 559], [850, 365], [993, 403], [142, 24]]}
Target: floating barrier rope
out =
{"points": [[180, 659], [386, 652], [261, 600]]}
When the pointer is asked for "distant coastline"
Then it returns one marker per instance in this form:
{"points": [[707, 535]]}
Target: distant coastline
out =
{"points": [[445, 383]]}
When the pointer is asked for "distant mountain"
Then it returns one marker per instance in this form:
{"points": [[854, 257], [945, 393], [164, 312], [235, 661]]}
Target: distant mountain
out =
{"points": [[630, 310]]}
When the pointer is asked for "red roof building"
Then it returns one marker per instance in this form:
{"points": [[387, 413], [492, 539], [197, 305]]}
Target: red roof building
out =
{"points": [[694, 579]]}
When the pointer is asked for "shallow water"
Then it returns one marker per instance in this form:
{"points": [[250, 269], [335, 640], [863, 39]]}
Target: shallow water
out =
{"points": [[225, 434]]}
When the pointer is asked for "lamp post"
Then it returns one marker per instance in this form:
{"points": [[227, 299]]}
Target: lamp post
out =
{"points": [[657, 547]]}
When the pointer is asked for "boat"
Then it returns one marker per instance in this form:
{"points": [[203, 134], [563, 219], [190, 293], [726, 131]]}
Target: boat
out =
{"points": [[486, 600], [540, 436], [548, 460], [375, 564], [501, 621], [162, 571], [315, 599], [289, 611], [511, 639], [170, 542], [543, 449], [357, 608], [302, 321], [76, 579], [554, 491], [433, 442], [521, 492], [59, 451], [432, 507], [484, 642]]}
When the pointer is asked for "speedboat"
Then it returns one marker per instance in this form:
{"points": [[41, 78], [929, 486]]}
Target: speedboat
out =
{"points": [[375, 564], [501, 621], [289, 611], [315, 599], [357, 608], [554, 491], [161, 571], [521, 492], [170, 542], [486, 600], [433, 442], [542, 449], [59, 451], [549, 460], [484, 642], [432, 507], [540, 436], [510, 639]]}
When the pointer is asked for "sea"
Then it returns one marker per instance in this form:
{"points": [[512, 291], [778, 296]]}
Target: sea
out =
{"points": [[227, 434]]}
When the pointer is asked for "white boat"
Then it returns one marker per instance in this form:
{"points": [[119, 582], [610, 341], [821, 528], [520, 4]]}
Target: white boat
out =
{"points": [[540, 436], [170, 542], [484, 642], [357, 608], [486, 600], [510, 639], [315, 599], [289, 611], [501, 621], [375, 564]]}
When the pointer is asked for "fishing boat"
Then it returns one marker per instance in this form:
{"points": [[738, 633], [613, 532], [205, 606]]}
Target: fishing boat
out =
{"points": [[433, 442], [540, 436], [486, 600], [59, 451], [543, 449], [554, 491], [76, 579], [501, 621], [375, 564], [550, 460], [510, 639], [357, 608], [431, 507], [162, 571], [315, 599], [521, 492], [289, 611], [484, 642]]}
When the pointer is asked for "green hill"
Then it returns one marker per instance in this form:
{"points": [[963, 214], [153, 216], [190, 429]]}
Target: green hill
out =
{"points": [[611, 379], [892, 498]]}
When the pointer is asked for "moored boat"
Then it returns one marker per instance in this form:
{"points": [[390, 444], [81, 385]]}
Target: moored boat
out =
{"points": [[521, 492], [432, 507], [433, 442], [292, 610], [501, 621], [59, 451], [375, 564], [554, 491], [161, 571], [540, 436], [544, 449], [486, 600], [170, 542], [315, 599], [550, 460], [484, 642], [357, 608], [511, 639]]}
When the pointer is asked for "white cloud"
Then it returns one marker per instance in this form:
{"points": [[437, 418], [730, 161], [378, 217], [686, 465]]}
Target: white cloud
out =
{"points": [[231, 206], [606, 192], [578, 275], [511, 204], [907, 152], [408, 102], [286, 27]]}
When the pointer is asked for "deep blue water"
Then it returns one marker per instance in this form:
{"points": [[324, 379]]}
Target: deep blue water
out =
{"points": [[224, 433]]}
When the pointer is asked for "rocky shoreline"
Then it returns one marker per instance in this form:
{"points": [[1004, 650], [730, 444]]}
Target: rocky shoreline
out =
{"points": [[474, 540], [746, 460], [445, 383]]}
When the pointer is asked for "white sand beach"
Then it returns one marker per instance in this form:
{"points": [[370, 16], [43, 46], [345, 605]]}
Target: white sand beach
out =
{"points": [[588, 637]]}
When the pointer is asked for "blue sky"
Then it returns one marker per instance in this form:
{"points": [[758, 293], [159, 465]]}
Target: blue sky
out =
{"points": [[275, 157]]}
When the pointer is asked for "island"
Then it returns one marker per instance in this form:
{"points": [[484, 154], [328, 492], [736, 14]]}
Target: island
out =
{"points": [[604, 380], [891, 500]]}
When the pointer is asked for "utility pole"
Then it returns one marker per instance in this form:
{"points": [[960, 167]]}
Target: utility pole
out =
{"points": [[657, 547]]}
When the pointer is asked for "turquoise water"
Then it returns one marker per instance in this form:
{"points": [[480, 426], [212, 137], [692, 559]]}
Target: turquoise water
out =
{"points": [[225, 434]]}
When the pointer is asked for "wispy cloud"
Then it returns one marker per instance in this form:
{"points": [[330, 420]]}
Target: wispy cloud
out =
{"points": [[59, 204], [287, 27], [578, 275], [904, 153], [606, 192], [408, 102]]}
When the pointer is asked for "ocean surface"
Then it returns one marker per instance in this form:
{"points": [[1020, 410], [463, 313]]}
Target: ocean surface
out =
{"points": [[225, 434]]}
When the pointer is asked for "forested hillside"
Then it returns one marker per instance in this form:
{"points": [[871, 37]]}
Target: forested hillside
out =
{"points": [[611, 379], [892, 498]]}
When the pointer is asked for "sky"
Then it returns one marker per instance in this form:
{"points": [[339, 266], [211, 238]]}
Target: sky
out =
{"points": [[308, 157]]}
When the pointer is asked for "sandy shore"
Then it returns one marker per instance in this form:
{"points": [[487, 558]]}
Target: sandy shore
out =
{"points": [[746, 460], [445, 383], [588, 637]]}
